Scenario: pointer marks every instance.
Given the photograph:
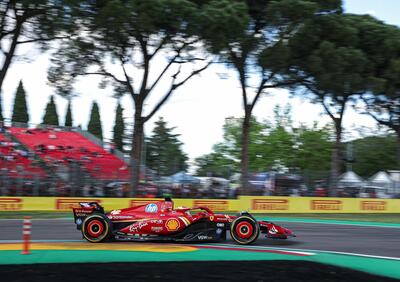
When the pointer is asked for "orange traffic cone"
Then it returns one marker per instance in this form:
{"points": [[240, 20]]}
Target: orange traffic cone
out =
{"points": [[26, 233]]}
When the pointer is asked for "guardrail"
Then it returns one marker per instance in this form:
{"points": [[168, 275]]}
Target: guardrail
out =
{"points": [[251, 204]]}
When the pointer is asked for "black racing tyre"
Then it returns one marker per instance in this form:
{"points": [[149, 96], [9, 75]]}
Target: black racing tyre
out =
{"points": [[244, 230], [96, 228]]}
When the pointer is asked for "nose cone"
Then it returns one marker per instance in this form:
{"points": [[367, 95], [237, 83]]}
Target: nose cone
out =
{"points": [[287, 232]]}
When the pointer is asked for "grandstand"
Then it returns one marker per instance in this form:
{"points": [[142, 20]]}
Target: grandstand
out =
{"points": [[17, 162], [60, 148]]}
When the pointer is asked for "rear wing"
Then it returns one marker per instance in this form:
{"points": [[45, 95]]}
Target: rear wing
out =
{"points": [[84, 211]]}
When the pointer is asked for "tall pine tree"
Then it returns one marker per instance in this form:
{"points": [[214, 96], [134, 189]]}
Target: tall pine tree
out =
{"points": [[94, 125], [20, 110], [119, 128], [50, 116], [68, 117], [164, 153]]}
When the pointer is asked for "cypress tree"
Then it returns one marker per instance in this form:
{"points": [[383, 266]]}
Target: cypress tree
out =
{"points": [[119, 128], [94, 125], [68, 117], [20, 110], [164, 152], [50, 115]]}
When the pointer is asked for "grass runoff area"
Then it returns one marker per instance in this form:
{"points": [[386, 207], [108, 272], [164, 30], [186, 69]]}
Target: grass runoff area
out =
{"points": [[385, 218]]}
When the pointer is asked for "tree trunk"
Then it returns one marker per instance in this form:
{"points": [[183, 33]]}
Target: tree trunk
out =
{"points": [[244, 166], [398, 149], [336, 159], [136, 153], [10, 54]]}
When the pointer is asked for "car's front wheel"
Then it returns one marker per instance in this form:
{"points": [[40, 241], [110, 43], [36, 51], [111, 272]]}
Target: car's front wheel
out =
{"points": [[96, 228], [244, 230]]}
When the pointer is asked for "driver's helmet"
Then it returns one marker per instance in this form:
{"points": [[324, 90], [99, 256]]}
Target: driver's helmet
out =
{"points": [[168, 205]]}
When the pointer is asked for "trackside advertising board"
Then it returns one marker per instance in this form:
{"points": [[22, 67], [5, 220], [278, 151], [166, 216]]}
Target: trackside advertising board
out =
{"points": [[319, 205], [244, 203], [63, 204]]}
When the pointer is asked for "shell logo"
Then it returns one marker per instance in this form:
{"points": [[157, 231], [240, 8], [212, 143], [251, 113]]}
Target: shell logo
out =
{"points": [[172, 224]]}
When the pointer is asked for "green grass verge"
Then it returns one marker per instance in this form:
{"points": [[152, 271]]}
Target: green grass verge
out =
{"points": [[386, 218]]}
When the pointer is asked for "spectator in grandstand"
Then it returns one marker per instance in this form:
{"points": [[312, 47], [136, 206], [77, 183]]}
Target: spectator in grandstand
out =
{"points": [[83, 150], [112, 148], [295, 192], [41, 148], [86, 191], [320, 192], [28, 131], [51, 147], [86, 159], [98, 191]]}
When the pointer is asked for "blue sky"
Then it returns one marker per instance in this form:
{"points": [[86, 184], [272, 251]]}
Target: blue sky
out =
{"points": [[385, 10]]}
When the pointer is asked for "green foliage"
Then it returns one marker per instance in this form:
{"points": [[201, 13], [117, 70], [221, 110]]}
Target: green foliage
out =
{"points": [[373, 154], [68, 116], [94, 125], [131, 35], [313, 148], [20, 110], [50, 116], [119, 128], [383, 50], [42, 20], [163, 150], [272, 145], [36, 21], [328, 59], [252, 38], [215, 164], [124, 31], [328, 55]]}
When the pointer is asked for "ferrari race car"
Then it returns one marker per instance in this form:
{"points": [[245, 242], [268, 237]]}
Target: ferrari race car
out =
{"points": [[159, 221]]}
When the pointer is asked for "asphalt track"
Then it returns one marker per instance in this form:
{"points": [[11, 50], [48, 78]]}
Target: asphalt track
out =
{"points": [[367, 240]]}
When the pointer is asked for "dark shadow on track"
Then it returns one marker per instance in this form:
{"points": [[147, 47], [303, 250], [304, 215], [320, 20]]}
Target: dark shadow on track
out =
{"points": [[185, 271]]}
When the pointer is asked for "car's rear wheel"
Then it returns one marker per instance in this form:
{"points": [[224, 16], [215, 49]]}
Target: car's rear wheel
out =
{"points": [[244, 230], [96, 228]]}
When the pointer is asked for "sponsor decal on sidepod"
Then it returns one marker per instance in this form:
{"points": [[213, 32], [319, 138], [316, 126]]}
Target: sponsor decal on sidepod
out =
{"points": [[151, 208], [172, 224]]}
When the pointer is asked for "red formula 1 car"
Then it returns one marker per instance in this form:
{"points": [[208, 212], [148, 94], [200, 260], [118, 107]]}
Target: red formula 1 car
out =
{"points": [[160, 221]]}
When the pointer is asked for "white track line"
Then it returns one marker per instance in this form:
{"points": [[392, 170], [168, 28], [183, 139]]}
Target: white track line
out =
{"points": [[310, 250], [335, 223]]}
